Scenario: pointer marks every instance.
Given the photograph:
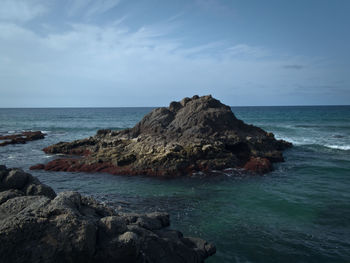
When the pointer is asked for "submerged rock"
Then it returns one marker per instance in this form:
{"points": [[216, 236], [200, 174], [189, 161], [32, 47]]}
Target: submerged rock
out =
{"points": [[258, 165], [21, 138], [195, 134], [38, 226]]}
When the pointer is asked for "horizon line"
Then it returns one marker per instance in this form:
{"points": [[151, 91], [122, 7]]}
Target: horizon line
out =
{"points": [[111, 107]]}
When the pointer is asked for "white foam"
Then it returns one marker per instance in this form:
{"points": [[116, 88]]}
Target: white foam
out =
{"points": [[339, 147], [297, 141], [315, 141]]}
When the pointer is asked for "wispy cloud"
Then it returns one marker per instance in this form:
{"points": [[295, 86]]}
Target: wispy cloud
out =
{"points": [[294, 66], [21, 10], [89, 8], [86, 64], [106, 60], [246, 51], [332, 88]]}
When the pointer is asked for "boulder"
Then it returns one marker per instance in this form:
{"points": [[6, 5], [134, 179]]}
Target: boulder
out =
{"points": [[195, 134], [17, 179], [68, 227]]}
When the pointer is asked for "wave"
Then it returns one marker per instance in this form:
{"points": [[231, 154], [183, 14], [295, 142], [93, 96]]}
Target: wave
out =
{"points": [[338, 147], [21, 131], [77, 129], [322, 126], [300, 141], [315, 142]]}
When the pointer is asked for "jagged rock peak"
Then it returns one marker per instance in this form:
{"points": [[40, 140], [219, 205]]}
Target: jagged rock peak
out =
{"points": [[196, 116]]}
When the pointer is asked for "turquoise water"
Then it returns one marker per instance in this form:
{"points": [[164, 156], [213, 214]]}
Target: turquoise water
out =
{"points": [[298, 213]]}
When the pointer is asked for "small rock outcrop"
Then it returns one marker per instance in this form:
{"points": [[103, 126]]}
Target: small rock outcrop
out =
{"points": [[36, 225], [195, 134], [21, 138]]}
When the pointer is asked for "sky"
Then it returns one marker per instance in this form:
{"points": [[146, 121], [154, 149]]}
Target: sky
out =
{"points": [[120, 53]]}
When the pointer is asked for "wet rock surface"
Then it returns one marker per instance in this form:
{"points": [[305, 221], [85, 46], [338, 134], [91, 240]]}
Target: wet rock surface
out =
{"points": [[21, 138], [40, 226], [195, 134]]}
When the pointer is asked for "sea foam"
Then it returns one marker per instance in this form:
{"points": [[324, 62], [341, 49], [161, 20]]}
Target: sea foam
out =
{"points": [[339, 147]]}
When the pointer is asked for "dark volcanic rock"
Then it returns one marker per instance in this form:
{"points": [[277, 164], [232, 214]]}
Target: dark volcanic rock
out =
{"points": [[195, 134], [42, 227], [21, 182], [21, 138]]}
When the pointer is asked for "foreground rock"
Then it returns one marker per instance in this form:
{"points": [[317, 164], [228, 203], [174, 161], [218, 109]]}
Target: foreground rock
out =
{"points": [[196, 134], [38, 226], [21, 138]]}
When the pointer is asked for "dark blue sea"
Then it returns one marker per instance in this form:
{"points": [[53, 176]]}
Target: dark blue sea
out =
{"points": [[300, 212]]}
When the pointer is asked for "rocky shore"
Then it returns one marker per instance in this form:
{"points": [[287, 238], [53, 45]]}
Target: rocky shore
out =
{"points": [[21, 138], [195, 134], [36, 225]]}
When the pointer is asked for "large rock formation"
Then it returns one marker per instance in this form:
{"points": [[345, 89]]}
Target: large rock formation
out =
{"points": [[196, 134], [38, 226], [21, 138]]}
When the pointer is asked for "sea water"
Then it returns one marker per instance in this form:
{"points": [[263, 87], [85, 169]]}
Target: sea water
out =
{"points": [[300, 212]]}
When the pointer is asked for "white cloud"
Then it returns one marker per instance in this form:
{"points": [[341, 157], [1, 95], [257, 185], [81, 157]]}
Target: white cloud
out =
{"points": [[90, 8], [21, 10], [247, 51], [90, 65], [100, 7]]}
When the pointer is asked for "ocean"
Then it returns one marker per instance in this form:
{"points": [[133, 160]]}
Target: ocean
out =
{"points": [[300, 212]]}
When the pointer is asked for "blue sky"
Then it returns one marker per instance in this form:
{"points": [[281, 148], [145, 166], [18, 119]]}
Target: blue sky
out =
{"points": [[111, 53]]}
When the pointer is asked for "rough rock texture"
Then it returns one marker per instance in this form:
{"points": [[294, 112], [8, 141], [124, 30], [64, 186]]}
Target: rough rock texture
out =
{"points": [[42, 227], [17, 182], [21, 138], [196, 134]]}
